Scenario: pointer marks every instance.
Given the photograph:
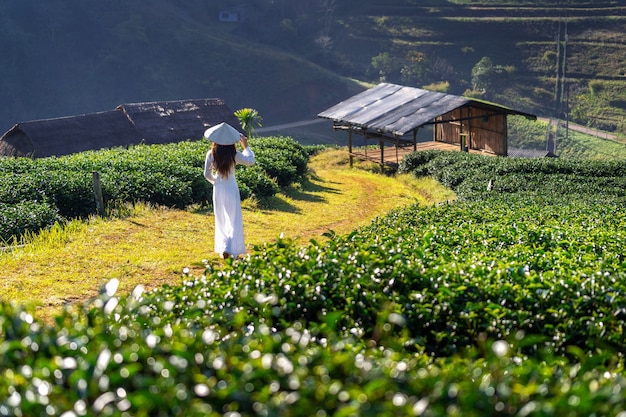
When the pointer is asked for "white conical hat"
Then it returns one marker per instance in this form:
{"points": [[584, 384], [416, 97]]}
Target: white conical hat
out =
{"points": [[222, 134]]}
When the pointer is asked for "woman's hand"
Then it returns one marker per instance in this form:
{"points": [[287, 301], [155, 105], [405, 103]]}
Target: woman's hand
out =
{"points": [[244, 141]]}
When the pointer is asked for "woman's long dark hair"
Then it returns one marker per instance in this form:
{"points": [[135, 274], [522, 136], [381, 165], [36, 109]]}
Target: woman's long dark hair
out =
{"points": [[223, 158]]}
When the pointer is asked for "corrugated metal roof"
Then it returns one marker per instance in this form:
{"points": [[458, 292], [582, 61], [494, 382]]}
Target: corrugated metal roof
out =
{"points": [[529, 153], [396, 110]]}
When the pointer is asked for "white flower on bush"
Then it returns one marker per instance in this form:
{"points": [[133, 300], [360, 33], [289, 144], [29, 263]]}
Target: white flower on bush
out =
{"points": [[500, 348]]}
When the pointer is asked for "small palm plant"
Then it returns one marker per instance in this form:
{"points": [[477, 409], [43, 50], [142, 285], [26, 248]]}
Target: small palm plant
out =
{"points": [[249, 119]]}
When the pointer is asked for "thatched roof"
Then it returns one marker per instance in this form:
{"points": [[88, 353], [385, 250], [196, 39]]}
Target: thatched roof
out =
{"points": [[67, 135], [394, 110], [129, 124], [173, 121]]}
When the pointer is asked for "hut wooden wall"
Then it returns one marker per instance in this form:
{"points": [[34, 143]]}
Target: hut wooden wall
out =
{"points": [[485, 131]]}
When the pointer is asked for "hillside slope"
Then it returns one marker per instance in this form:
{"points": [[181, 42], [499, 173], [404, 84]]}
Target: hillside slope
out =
{"points": [[60, 60], [291, 60], [547, 58]]}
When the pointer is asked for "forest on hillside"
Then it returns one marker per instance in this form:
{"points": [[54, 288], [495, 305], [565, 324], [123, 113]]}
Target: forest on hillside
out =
{"points": [[293, 59]]}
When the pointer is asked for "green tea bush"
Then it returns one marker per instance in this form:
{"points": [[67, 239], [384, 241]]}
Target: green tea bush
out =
{"points": [[69, 191], [155, 187], [455, 273], [16, 165], [282, 158], [478, 177], [255, 180], [19, 218], [139, 355]]}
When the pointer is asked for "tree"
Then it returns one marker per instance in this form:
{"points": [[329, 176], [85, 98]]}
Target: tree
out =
{"points": [[383, 64], [415, 69], [481, 74]]}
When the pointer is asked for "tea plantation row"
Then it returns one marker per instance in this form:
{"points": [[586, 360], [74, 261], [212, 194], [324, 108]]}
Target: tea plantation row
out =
{"points": [[510, 301], [35, 193]]}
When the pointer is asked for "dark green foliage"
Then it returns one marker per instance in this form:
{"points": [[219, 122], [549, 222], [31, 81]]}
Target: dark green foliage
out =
{"points": [[488, 308], [455, 272], [169, 175], [115, 360], [69, 191], [155, 187], [19, 218], [314, 149], [477, 177], [283, 159], [253, 180]]}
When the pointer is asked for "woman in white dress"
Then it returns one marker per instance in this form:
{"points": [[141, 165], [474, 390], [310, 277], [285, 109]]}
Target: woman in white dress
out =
{"points": [[219, 170]]}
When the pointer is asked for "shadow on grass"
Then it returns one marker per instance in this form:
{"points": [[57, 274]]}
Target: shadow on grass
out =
{"points": [[310, 190]]}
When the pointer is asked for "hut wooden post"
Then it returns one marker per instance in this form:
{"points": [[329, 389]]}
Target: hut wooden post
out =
{"points": [[469, 128], [397, 154], [365, 145], [505, 139], [350, 147]]}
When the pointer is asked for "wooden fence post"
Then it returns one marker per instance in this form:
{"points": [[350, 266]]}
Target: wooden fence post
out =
{"points": [[97, 192]]}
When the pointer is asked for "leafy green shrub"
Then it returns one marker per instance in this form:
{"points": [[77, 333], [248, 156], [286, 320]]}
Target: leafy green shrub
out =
{"points": [[282, 158], [238, 339], [71, 192], [19, 218], [456, 273], [154, 187], [478, 177], [314, 149], [416, 162], [114, 360], [16, 165], [255, 180]]}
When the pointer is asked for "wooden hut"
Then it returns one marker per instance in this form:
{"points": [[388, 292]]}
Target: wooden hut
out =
{"points": [[129, 124], [391, 115]]}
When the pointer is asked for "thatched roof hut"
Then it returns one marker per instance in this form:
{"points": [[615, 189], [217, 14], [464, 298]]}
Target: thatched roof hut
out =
{"points": [[173, 121], [67, 135], [129, 124]]}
